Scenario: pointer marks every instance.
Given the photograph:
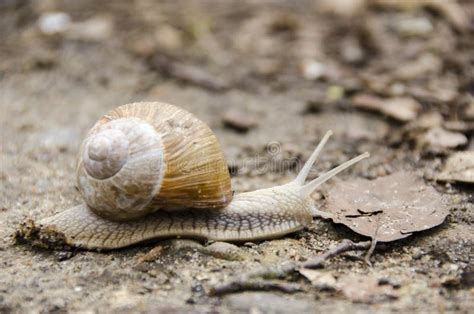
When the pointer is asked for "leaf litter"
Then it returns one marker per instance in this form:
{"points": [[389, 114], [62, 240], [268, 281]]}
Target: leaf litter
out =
{"points": [[388, 208], [459, 167]]}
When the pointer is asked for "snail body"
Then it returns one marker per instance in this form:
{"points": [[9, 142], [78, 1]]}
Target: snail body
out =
{"points": [[152, 170]]}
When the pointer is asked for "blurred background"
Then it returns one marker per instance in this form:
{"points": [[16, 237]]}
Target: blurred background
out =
{"points": [[395, 78], [270, 69]]}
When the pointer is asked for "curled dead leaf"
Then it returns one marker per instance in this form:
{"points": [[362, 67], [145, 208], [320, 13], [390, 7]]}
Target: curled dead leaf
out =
{"points": [[459, 167], [387, 208], [400, 108], [440, 138]]}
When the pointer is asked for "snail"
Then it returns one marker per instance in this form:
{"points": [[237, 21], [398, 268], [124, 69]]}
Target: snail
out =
{"points": [[150, 170]]}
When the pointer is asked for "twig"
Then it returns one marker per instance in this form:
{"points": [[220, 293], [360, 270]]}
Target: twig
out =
{"points": [[248, 281], [261, 285], [373, 243], [370, 251], [344, 246]]}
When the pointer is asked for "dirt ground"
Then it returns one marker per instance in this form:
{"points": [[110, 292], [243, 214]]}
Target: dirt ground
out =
{"points": [[291, 70]]}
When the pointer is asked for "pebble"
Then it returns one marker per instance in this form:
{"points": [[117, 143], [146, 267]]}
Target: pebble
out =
{"points": [[239, 121], [54, 23], [389, 281], [184, 244], [418, 253], [60, 23], [64, 256], [225, 250], [312, 70], [414, 26], [169, 38]]}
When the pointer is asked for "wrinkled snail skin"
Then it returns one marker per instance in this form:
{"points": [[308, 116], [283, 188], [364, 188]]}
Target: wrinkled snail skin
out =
{"points": [[135, 189], [257, 215]]}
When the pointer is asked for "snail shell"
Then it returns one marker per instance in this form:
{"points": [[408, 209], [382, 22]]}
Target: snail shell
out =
{"points": [[142, 157]]}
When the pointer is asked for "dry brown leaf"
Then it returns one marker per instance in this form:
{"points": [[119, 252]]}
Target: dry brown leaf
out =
{"points": [[441, 138], [388, 208], [400, 108], [459, 167], [426, 121], [426, 64], [459, 126]]}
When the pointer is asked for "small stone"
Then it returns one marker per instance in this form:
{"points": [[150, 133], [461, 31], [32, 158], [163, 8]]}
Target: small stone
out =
{"points": [[414, 26], [239, 121], [418, 253], [312, 70], [352, 51], [54, 23], [224, 250], [184, 245], [64, 256], [389, 281]]}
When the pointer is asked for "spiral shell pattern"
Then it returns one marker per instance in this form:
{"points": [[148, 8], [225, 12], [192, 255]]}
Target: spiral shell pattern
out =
{"points": [[143, 157]]}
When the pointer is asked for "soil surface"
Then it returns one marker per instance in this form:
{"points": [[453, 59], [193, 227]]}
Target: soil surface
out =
{"points": [[270, 78]]}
